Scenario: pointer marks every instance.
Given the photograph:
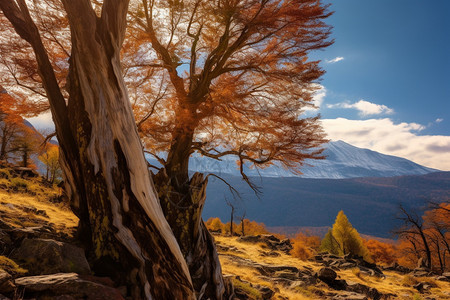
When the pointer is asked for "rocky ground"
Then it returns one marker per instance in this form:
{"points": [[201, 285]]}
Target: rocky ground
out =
{"points": [[40, 260], [261, 268]]}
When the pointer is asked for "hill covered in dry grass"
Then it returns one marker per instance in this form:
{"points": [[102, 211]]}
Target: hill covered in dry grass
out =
{"points": [[36, 224]]}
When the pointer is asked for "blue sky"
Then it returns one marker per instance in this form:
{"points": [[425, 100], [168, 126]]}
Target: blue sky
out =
{"points": [[388, 78], [387, 86]]}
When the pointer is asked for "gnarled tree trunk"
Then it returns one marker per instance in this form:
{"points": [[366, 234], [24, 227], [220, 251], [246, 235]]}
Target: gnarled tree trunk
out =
{"points": [[183, 206], [101, 154], [182, 200]]}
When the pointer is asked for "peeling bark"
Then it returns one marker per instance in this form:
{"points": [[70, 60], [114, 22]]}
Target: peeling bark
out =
{"points": [[101, 155], [183, 206]]}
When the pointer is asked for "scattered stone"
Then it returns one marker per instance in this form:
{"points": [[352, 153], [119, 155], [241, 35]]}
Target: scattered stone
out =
{"points": [[442, 278], [338, 284], [46, 256], [269, 240], [269, 270], [297, 284], [266, 292], [374, 294], [311, 280], [286, 275], [43, 232], [6, 284], [349, 261], [5, 242], [269, 253], [347, 265], [420, 273], [34, 210], [420, 287], [222, 248], [227, 248], [357, 287], [66, 285], [327, 275], [250, 239], [7, 287], [4, 276], [349, 296], [397, 268]]}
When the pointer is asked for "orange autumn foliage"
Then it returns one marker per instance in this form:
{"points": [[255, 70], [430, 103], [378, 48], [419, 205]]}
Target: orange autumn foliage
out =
{"points": [[18, 61], [226, 78], [427, 238], [213, 77], [381, 253], [214, 224], [305, 246], [15, 136], [250, 227]]}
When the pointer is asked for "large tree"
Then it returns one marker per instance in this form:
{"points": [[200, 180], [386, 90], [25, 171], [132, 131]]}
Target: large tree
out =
{"points": [[242, 94], [232, 78], [101, 154]]}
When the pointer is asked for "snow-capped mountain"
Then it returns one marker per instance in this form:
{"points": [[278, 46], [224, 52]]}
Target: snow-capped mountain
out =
{"points": [[347, 161], [343, 161]]}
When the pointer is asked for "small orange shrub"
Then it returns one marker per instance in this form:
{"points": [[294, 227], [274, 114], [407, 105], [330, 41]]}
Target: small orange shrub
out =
{"points": [[381, 253], [300, 251], [305, 246], [214, 224]]}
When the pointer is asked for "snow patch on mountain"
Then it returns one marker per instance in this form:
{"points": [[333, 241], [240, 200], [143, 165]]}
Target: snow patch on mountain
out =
{"points": [[342, 161]]}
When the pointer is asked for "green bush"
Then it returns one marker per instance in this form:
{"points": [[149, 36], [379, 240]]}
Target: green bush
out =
{"points": [[343, 239], [19, 184], [247, 289], [10, 266], [4, 173]]}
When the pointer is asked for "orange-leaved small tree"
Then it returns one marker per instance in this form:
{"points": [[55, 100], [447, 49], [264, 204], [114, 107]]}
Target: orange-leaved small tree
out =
{"points": [[426, 237], [15, 136]]}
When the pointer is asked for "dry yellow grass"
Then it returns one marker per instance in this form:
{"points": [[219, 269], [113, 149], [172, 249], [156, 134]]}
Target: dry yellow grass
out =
{"points": [[62, 219], [394, 283], [12, 204], [253, 252]]}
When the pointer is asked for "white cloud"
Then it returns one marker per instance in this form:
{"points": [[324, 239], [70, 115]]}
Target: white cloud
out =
{"points": [[364, 107], [318, 97], [335, 60], [439, 120], [384, 136], [43, 121]]}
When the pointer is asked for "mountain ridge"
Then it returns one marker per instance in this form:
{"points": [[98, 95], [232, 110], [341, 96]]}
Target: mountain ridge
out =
{"points": [[372, 204], [342, 161]]}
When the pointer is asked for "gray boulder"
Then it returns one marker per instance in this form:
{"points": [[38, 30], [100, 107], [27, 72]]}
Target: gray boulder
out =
{"points": [[326, 275], [46, 256], [6, 284], [66, 286]]}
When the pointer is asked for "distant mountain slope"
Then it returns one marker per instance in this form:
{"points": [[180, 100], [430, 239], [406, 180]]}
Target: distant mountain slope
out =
{"points": [[343, 161], [371, 204]]}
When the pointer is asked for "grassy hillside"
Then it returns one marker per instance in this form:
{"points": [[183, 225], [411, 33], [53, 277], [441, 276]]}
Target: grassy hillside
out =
{"points": [[30, 202], [241, 259], [255, 270]]}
